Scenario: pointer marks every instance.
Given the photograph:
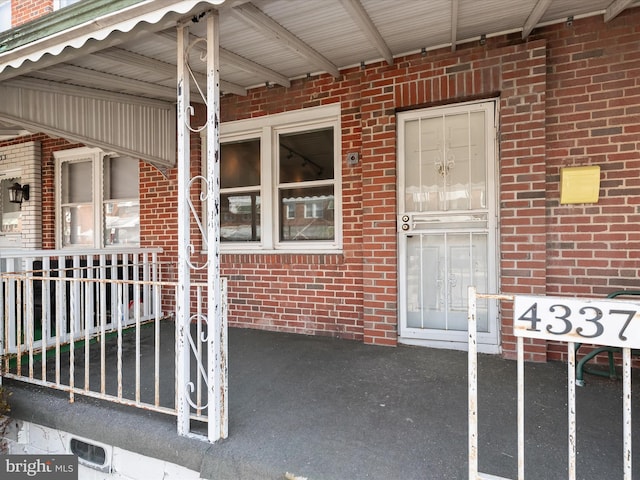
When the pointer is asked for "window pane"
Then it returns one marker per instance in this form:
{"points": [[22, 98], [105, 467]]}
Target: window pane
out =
{"points": [[77, 182], [240, 217], [120, 178], [306, 156], [240, 164], [5, 15], [66, 3], [313, 214], [10, 213], [122, 223], [77, 225]]}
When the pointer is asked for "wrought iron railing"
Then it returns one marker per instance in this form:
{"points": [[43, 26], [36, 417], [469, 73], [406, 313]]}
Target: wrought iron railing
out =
{"points": [[36, 290], [94, 325]]}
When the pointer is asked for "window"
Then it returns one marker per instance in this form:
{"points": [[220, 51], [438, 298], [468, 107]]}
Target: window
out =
{"points": [[5, 15], [98, 203], [240, 191], [10, 213], [58, 4], [306, 177], [280, 181]]}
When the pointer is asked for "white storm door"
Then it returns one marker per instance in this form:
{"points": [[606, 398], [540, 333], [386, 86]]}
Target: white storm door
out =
{"points": [[447, 223]]}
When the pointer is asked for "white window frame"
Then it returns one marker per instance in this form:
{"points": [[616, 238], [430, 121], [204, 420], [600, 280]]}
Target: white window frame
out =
{"points": [[267, 129], [97, 157]]}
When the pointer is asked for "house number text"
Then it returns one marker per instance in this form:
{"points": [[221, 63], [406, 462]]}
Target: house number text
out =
{"points": [[613, 323]]}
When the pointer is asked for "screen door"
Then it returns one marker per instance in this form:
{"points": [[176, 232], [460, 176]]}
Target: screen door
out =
{"points": [[447, 223]]}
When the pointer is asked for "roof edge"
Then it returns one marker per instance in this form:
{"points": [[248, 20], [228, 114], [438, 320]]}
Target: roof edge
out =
{"points": [[59, 21]]}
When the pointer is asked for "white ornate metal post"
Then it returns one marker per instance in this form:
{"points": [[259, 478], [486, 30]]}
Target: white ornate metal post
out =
{"points": [[217, 330], [212, 368], [184, 275]]}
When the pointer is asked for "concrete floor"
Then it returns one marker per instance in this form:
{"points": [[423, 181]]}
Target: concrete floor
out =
{"points": [[329, 409]]}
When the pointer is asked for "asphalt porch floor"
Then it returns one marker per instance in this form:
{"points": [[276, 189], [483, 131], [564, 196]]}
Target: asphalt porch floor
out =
{"points": [[329, 409]]}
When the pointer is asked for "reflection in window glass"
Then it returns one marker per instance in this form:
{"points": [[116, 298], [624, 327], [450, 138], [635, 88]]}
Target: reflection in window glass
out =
{"points": [[10, 213], [121, 207], [77, 225], [314, 217], [122, 223], [77, 208], [240, 217]]}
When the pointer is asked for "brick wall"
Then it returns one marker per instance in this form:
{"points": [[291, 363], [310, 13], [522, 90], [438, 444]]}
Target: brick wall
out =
{"points": [[593, 118], [23, 11], [369, 98]]}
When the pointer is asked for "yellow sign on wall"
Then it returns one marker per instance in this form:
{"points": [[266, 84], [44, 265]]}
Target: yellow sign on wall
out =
{"points": [[579, 184]]}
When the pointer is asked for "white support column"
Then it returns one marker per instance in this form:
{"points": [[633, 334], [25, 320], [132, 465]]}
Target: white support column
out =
{"points": [[184, 277], [217, 328]]}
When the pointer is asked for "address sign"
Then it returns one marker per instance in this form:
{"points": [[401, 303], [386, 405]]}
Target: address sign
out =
{"points": [[614, 323]]}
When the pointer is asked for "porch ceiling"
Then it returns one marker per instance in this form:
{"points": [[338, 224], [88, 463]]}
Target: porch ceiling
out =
{"points": [[272, 42]]}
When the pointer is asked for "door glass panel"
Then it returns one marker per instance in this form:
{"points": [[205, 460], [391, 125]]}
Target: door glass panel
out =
{"points": [[445, 165], [440, 268], [478, 160], [456, 166]]}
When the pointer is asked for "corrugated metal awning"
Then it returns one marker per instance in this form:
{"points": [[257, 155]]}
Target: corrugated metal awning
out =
{"points": [[118, 18], [139, 127]]}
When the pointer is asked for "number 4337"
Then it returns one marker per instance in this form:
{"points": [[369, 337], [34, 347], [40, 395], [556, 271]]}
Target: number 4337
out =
{"points": [[612, 323]]}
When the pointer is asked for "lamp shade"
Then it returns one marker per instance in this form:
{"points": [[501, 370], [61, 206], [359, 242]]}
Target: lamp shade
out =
{"points": [[18, 193]]}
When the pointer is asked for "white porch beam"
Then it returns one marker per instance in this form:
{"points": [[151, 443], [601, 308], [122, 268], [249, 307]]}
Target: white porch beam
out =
{"points": [[535, 16], [252, 15], [454, 24], [362, 19], [106, 81], [125, 57], [228, 57], [616, 8]]}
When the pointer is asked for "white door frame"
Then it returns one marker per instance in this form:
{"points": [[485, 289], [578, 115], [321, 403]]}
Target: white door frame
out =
{"points": [[488, 342]]}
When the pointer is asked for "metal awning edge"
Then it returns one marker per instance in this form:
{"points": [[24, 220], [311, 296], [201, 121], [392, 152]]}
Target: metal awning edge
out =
{"points": [[125, 20]]}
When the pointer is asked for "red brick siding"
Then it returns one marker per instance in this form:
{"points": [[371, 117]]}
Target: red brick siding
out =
{"points": [[369, 98], [593, 118], [23, 11]]}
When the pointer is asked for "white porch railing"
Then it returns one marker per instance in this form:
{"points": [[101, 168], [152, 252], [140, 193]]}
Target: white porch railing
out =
{"points": [[86, 337], [35, 290], [561, 319]]}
